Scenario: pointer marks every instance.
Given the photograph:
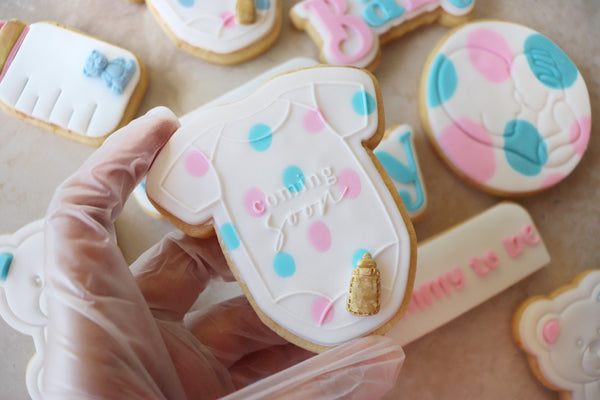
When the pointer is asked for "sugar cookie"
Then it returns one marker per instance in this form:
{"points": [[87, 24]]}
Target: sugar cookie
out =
{"points": [[67, 82], [22, 303], [222, 31], [351, 32], [561, 335], [505, 108], [288, 180]]}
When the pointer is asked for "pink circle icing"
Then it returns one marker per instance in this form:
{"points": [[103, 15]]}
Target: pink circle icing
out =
{"points": [[579, 134], [313, 121], [322, 311], [552, 180], [228, 18], [349, 181], [319, 236], [490, 54], [254, 201], [469, 147], [196, 164]]}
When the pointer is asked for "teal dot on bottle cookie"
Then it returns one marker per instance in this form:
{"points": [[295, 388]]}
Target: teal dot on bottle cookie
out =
{"points": [[363, 103], [284, 265], [262, 4], [187, 3], [230, 236]]}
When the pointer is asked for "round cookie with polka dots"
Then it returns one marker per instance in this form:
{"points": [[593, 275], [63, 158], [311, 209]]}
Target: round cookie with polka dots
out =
{"points": [[505, 108], [288, 181]]}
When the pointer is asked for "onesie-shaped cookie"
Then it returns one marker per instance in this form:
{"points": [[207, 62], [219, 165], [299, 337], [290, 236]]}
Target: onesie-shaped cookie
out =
{"points": [[223, 31], [351, 32], [22, 303], [561, 334], [505, 108], [68, 82], [288, 180]]}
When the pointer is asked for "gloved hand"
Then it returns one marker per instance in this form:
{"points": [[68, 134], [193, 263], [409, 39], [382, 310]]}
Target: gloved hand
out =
{"points": [[117, 332]]}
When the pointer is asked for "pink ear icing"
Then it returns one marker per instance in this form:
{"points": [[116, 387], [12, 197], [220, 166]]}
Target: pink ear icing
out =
{"points": [[550, 331]]}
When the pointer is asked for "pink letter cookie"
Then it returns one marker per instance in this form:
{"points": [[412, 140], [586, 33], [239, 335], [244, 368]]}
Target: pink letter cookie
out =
{"points": [[561, 335], [351, 32], [220, 31], [505, 108], [68, 82], [22, 303], [296, 200]]}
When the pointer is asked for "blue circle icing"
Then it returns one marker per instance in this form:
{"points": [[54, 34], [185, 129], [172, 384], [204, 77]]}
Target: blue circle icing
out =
{"points": [[442, 81], [363, 103], [187, 3], [550, 65], [358, 255], [524, 147], [5, 261], [284, 265], [260, 137], [293, 179], [230, 236], [461, 3], [262, 4]]}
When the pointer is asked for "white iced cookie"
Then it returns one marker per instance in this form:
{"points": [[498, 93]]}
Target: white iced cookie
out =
{"points": [[70, 83], [351, 32], [397, 154], [561, 335], [505, 108], [22, 303], [287, 179], [223, 31]]}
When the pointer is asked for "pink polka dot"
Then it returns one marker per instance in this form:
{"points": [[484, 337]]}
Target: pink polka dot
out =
{"points": [[349, 183], [552, 180], [322, 311], [228, 18], [313, 121], [254, 201], [319, 236], [579, 134], [490, 54], [196, 164], [469, 146]]}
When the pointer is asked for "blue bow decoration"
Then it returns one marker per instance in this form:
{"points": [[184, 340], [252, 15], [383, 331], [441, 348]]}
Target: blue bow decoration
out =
{"points": [[115, 74]]}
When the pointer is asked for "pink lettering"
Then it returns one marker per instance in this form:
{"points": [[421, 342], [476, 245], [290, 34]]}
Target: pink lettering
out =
{"points": [[483, 266], [513, 245], [437, 288], [477, 267], [529, 236], [331, 14], [456, 278]]}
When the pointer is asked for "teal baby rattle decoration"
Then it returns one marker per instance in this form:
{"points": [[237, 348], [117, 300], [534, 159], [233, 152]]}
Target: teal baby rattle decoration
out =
{"points": [[115, 74]]}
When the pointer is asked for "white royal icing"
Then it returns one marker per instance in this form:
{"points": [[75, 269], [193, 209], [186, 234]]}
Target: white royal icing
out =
{"points": [[506, 107], [211, 25], [294, 196], [46, 81], [350, 29], [468, 264], [22, 303], [563, 335]]}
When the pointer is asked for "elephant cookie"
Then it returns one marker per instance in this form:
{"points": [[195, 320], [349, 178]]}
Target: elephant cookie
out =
{"points": [[561, 335], [22, 303], [505, 108], [223, 31], [351, 32], [67, 82], [287, 179]]}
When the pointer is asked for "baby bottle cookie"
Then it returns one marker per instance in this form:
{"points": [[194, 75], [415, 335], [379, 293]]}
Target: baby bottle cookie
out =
{"points": [[561, 335], [505, 108], [67, 82], [351, 32], [223, 31], [296, 200]]}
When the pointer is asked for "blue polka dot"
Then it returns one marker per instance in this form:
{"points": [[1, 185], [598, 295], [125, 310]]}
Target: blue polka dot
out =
{"points": [[549, 63], [524, 147], [5, 261], [293, 179], [187, 3], [143, 185], [284, 265], [262, 4], [358, 255], [260, 137], [363, 103], [442, 81], [230, 236], [461, 3]]}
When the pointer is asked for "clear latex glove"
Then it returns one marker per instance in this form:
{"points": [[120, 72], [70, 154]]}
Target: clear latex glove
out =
{"points": [[119, 332]]}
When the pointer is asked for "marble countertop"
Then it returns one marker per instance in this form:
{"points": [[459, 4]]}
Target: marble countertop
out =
{"points": [[473, 356]]}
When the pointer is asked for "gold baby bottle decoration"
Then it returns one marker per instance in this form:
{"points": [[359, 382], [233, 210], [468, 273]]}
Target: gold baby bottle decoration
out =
{"points": [[365, 288]]}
